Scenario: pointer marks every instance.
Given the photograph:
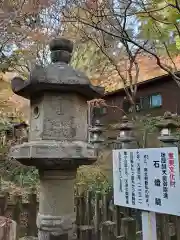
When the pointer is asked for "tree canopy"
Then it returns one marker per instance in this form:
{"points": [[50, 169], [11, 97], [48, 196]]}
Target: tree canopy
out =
{"points": [[152, 26], [107, 34]]}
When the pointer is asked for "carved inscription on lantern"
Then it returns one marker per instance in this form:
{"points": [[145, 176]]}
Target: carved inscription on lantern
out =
{"points": [[40, 150], [59, 121]]}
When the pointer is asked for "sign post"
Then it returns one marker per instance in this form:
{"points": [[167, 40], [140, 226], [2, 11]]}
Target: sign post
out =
{"points": [[149, 225], [147, 179]]}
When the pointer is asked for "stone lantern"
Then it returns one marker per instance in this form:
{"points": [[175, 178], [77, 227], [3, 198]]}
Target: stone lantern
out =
{"points": [[57, 144], [20, 131]]}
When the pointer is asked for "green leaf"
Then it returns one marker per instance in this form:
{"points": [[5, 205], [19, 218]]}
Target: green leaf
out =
{"points": [[177, 39]]}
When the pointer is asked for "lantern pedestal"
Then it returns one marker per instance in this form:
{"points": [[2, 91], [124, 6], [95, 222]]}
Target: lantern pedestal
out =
{"points": [[56, 209]]}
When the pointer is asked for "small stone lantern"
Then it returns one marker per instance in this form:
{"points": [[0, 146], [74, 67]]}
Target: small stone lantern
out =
{"points": [[167, 129], [57, 136], [20, 132]]}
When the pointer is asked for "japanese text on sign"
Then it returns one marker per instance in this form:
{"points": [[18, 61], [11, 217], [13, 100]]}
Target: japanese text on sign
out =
{"points": [[147, 179]]}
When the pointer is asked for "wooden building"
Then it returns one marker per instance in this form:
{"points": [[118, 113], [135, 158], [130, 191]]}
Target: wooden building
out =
{"points": [[157, 92], [154, 97]]}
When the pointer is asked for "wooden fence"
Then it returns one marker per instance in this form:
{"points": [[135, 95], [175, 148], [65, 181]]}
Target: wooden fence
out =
{"points": [[23, 212], [96, 218]]}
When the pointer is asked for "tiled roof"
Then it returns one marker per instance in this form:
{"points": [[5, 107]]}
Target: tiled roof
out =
{"points": [[148, 69]]}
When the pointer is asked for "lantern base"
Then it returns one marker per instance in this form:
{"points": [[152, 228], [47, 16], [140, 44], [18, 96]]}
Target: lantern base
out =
{"points": [[54, 154]]}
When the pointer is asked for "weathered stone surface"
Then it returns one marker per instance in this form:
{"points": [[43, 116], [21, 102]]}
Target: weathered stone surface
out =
{"points": [[61, 44], [56, 212], [28, 238], [59, 224], [58, 117], [48, 154]]}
